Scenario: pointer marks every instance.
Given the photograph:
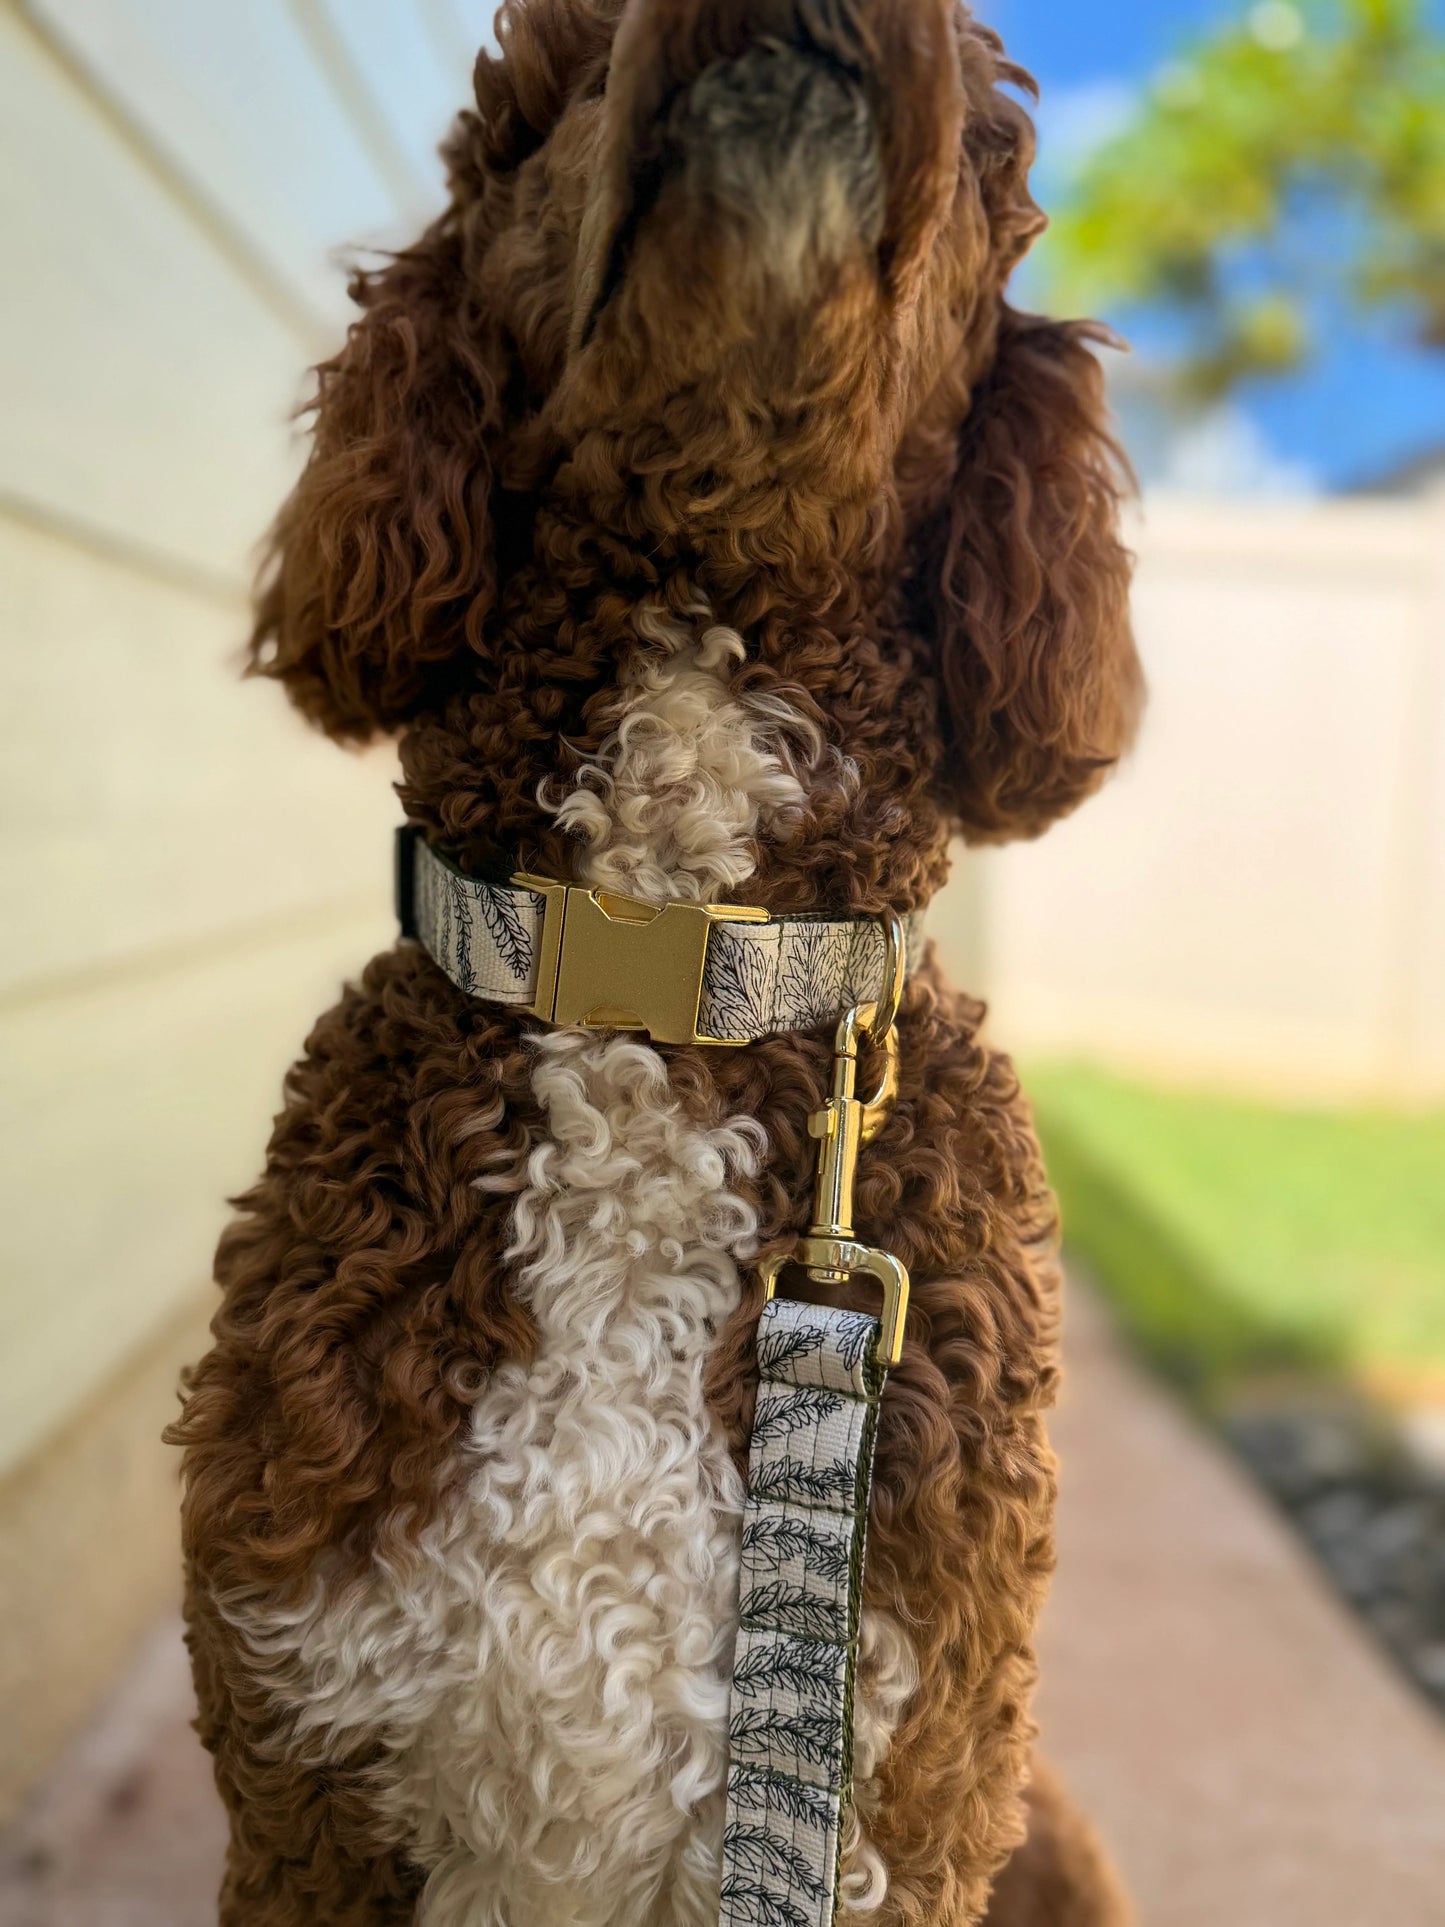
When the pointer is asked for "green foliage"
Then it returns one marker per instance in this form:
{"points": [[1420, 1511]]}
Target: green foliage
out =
{"points": [[1299, 151], [1237, 1236]]}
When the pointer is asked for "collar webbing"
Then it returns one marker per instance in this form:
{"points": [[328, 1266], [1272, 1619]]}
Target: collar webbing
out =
{"points": [[701, 973]]}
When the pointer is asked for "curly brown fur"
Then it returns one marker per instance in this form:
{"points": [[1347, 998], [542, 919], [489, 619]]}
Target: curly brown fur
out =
{"points": [[1060, 1875], [363, 1294], [559, 409]]}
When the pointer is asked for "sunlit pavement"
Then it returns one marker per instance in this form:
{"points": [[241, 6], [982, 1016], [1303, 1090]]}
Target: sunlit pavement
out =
{"points": [[1251, 1757]]}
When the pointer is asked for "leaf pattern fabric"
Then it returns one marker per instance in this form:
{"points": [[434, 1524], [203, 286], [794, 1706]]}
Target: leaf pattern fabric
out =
{"points": [[820, 1378], [793, 974], [484, 936], [804, 1530], [758, 979], [512, 918]]}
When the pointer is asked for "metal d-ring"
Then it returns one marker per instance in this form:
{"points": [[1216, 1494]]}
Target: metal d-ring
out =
{"points": [[895, 970]]}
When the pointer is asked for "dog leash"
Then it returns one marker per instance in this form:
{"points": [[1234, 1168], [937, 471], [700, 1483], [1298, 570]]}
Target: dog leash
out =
{"points": [[727, 975], [821, 1374]]}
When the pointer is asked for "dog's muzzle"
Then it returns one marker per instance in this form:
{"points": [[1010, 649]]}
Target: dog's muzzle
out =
{"points": [[784, 138]]}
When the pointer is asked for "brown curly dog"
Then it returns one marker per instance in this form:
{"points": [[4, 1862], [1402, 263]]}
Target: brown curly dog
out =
{"points": [[694, 509]]}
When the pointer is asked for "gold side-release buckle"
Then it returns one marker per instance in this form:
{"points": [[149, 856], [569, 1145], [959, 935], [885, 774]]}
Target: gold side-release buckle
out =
{"points": [[830, 1253], [618, 962]]}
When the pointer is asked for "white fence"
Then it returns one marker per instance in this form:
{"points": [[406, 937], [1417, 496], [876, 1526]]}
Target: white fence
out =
{"points": [[1258, 900]]}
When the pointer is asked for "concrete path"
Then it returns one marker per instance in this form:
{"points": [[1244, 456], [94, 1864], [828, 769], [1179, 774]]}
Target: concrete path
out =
{"points": [[1252, 1759], [128, 1832]]}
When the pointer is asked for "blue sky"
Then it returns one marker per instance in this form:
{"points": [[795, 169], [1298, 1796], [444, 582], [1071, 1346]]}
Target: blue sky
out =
{"points": [[1372, 399]]}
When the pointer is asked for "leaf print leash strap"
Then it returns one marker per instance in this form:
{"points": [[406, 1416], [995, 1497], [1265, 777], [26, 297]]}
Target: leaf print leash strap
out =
{"points": [[758, 978], [805, 1525]]}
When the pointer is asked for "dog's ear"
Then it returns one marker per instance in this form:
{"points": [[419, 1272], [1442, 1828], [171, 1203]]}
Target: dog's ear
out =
{"points": [[1022, 575], [1042, 684], [380, 570]]}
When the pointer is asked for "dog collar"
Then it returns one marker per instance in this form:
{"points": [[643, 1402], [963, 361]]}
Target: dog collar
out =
{"points": [[686, 973]]}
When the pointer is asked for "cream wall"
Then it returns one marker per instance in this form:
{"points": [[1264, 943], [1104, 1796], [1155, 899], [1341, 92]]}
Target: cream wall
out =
{"points": [[172, 181], [187, 876], [1258, 899]]}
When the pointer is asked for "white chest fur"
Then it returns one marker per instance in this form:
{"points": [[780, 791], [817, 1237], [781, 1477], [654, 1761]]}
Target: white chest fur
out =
{"points": [[546, 1674]]}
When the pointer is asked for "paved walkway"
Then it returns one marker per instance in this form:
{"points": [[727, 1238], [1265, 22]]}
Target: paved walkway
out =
{"points": [[1252, 1759], [128, 1833]]}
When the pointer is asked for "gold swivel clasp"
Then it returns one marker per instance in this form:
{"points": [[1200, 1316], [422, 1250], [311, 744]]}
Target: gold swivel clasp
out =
{"points": [[830, 1253]]}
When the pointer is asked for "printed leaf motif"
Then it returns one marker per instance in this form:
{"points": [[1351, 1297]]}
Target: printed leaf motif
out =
{"points": [[833, 1561], [863, 971], [740, 981], [810, 1451], [779, 1607], [780, 1346], [779, 1414], [780, 1536], [811, 970], [749, 1905], [794, 1479], [812, 1737], [460, 927], [777, 1537], [854, 1339], [508, 930], [807, 1667], [762, 1792], [764, 1854]]}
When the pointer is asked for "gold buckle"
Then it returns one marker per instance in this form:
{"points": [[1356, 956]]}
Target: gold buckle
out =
{"points": [[622, 964]]}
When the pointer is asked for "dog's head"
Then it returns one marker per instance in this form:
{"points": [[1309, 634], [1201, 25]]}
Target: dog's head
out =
{"points": [[721, 285]]}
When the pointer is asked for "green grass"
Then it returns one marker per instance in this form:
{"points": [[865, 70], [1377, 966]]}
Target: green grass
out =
{"points": [[1237, 1236]]}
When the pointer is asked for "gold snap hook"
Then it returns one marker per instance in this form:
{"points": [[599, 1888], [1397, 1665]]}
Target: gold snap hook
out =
{"points": [[830, 1253]]}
